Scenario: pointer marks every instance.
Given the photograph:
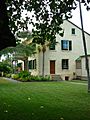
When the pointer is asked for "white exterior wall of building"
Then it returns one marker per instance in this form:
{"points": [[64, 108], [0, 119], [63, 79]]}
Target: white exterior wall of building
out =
{"points": [[84, 71], [20, 61], [58, 54]]}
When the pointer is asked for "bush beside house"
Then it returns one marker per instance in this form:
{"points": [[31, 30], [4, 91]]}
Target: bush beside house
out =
{"points": [[25, 76]]}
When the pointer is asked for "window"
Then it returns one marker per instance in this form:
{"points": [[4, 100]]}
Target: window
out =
{"points": [[66, 78], [73, 31], [52, 46], [65, 64], [66, 45], [32, 64], [78, 64]]}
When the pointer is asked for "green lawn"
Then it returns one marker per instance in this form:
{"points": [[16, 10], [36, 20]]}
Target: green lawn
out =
{"points": [[44, 101]]}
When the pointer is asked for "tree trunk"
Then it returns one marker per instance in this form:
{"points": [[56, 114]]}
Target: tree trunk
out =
{"points": [[26, 64], [43, 64], [6, 37]]}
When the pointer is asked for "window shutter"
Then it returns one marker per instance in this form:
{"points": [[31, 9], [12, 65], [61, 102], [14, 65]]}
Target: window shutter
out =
{"points": [[62, 63], [70, 45], [35, 64], [61, 44], [67, 63]]}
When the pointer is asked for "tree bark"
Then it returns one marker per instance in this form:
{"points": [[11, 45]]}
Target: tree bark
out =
{"points": [[6, 37], [43, 64], [26, 64]]}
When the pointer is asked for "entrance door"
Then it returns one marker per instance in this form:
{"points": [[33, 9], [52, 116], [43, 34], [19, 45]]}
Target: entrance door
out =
{"points": [[52, 66]]}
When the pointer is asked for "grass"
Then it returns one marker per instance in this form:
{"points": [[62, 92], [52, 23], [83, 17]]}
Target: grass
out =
{"points": [[43, 101], [79, 81]]}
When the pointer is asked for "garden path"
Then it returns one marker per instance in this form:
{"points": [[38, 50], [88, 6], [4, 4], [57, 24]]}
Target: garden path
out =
{"points": [[12, 80]]}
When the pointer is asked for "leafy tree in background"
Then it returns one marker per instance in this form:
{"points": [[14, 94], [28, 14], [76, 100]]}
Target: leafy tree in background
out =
{"points": [[23, 50], [5, 67], [48, 16]]}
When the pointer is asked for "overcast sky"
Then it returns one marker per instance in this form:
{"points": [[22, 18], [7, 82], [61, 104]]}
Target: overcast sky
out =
{"points": [[86, 18], [76, 18]]}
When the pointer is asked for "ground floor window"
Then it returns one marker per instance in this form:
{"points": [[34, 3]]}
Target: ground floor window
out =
{"points": [[65, 64], [32, 64], [78, 64], [66, 78]]}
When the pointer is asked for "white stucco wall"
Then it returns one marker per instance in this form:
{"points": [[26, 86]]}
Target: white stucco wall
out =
{"points": [[84, 72], [58, 54], [20, 61]]}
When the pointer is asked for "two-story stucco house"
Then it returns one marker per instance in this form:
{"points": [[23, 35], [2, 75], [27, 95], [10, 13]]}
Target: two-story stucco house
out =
{"points": [[60, 59]]}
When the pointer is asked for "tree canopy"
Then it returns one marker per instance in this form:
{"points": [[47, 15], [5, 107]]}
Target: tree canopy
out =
{"points": [[45, 15]]}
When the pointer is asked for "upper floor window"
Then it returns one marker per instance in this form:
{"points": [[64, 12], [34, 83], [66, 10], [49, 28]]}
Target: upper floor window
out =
{"points": [[52, 46], [66, 45], [73, 31], [65, 64]]}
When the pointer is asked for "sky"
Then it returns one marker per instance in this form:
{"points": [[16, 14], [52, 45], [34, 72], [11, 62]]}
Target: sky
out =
{"points": [[76, 18], [85, 15]]}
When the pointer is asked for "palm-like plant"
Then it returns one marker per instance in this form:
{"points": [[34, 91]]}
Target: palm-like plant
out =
{"points": [[42, 48], [23, 50]]}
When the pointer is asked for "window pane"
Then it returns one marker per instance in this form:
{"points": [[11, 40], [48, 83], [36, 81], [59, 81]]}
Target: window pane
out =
{"points": [[78, 64], [64, 44], [52, 46], [73, 31], [64, 63]]}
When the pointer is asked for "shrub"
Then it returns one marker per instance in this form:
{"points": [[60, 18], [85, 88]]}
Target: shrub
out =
{"points": [[15, 76], [5, 68], [40, 78], [8, 75], [24, 74]]}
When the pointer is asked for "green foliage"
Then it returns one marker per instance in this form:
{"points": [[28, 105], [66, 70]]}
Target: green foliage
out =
{"points": [[5, 67], [39, 78], [25, 35], [49, 15], [8, 75], [15, 76], [46, 16], [23, 74], [20, 52]]}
